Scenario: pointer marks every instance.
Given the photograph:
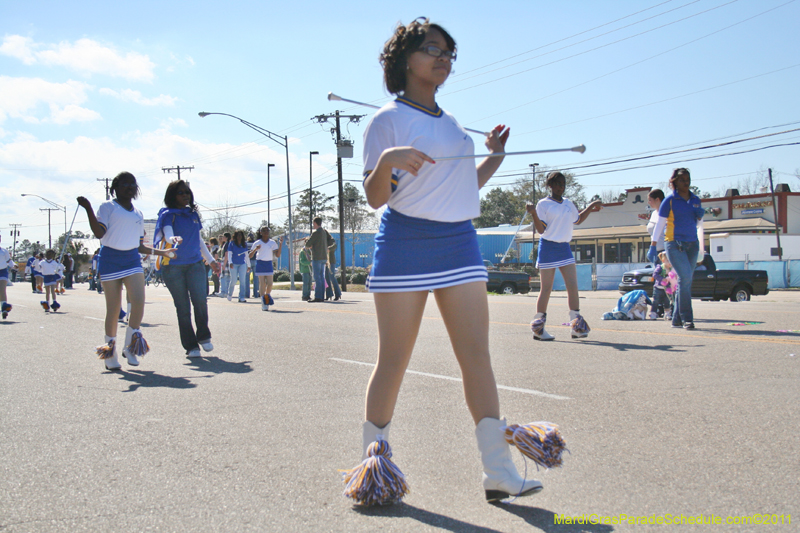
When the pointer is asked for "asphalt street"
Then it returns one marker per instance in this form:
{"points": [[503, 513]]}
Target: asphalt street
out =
{"points": [[659, 422]]}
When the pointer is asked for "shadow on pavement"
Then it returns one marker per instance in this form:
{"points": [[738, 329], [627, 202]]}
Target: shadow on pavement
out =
{"points": [[215, 365], [148, 378], [546, 520], [625, 347], [403, 510]]}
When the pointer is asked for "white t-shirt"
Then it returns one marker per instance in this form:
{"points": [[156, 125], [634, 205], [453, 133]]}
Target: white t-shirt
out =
{"points": [[5, 259], [37, 265], [446, 191], [124, 229], [651, 226], [558, 217], [265, 252], [49, 267]]}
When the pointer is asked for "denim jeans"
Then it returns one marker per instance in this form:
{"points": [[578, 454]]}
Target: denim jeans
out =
{"points": [[255, 283], [187, 285], [224, 281], [683, 256], [306, 285], [238, 272], [319, 278], [246, 282], [333, 285]]}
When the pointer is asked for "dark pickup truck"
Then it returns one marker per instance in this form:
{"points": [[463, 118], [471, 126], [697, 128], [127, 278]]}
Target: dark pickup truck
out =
{"points": [[733, 285], [507, 281]]}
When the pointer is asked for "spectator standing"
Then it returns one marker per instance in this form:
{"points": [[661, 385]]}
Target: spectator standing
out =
{"points": [[225, 274], [660, 299], [305, 271], [69, 270], [215, 254], [318, 243], [238, 263], [332, 290]]}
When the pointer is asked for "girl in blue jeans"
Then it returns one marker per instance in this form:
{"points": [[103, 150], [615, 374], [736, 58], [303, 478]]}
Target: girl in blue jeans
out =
{"points": [[185, 276], [681, 213], [238, 262]]}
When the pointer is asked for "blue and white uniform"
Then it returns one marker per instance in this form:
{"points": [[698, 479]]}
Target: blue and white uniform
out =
{"points": [[426, 239], [558, 218], [119, 254], [264, 256], [49, 269], [5, 264]]}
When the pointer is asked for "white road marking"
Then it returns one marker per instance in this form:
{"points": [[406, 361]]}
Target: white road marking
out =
{"points": [[448, 378], [93, 318]]}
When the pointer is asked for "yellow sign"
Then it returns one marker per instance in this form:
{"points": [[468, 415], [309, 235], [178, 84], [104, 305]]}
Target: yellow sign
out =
{"points": [[751, 205]]}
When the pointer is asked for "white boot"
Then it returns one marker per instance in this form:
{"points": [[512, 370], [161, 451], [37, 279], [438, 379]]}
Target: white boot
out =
{"points": [[580, 328], [112, 362], [539, 333], [370, 433], [500, 476], [133, 360]]}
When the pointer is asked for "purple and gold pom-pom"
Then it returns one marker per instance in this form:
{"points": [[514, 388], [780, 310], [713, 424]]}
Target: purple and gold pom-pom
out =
{"points": [[540, 441], [377, 480], [579, 325], [106, 351], [138, 346]]}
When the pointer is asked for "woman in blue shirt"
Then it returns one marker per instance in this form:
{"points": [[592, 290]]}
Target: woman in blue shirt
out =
{"points": [[681, 213], [185, 276], [239, 263]]}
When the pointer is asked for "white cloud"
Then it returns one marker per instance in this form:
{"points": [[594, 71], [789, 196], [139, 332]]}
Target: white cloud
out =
{"points": [[28, 98], [84, 55], [172, 122], [129, 95]]}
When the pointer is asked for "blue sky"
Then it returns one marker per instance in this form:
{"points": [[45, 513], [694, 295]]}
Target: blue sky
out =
{"points": [[92, 88]]}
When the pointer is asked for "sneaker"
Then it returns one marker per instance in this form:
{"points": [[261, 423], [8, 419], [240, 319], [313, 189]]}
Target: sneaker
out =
{"points": [[207, 346], [264, 307], [230, 297], [688, 325], [194, 353], [653, 315], [678, 325]]}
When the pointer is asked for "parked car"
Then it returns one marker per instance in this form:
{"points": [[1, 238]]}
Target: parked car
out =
{"points": [[507, 281], [733, 285]]}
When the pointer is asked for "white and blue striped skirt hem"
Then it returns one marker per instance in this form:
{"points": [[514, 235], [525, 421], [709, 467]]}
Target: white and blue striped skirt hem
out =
{"points": [[51, 279], [264, 268], [415, 254], [554, 254], [118, 264]]}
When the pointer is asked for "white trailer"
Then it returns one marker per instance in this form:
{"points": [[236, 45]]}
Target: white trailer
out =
{"points": [[752, 246]]}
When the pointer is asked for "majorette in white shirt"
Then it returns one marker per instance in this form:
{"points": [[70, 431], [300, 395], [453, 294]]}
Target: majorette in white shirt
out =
{"points": [[124, 229]]}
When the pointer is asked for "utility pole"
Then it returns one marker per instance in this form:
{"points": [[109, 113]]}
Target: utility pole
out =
{"points": [[14, 234], [49, 234], [108, 190], [344, 148], [268, 167], [178, 168], [310, 198], [775, 251]]}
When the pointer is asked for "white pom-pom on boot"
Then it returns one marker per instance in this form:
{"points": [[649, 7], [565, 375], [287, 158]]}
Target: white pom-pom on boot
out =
{"points": [[371, 433], [500, 476], [132, 358], [539, 333]]}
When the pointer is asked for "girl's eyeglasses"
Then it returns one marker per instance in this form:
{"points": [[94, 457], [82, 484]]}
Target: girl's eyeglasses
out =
{"points": [[435, 51]]}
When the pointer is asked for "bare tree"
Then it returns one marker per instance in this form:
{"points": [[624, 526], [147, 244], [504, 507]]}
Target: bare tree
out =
{"points": [[224, 219], [357, 217]]}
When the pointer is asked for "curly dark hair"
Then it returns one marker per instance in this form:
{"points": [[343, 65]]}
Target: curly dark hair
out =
{"points": [[119, 177], [171, 196], [678, 172], [405, 41], [553, 177]]}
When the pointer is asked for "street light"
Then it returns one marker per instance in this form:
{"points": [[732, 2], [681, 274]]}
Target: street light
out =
{"points": [[268, 222], [283, 141], [310, 190], [59, 208]]}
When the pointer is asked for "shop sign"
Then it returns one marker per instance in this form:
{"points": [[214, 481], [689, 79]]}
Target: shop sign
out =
{"points": [[752, 211], [751, 205]]}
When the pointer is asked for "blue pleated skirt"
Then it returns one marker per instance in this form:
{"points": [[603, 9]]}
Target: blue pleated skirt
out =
{"points": [[415, 254], [554, 254], [264, 268], [118, 264], [3, 274]]}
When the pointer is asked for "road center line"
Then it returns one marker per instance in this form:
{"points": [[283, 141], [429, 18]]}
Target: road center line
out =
{"points": [[448, 378], [93, 318]]}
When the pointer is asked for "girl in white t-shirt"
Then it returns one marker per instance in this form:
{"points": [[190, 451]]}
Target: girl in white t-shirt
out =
{"points": [[553, 218], [120, 228], [264, 250], [427, 242], [50, 273], [37, 273]]}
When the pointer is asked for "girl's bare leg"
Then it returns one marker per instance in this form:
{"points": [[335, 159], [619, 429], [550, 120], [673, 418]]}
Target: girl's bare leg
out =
{"points": [[134, 290], [399, 317], [3, 296], [266, 282], [112, 290], [546, 277], [570, 275], [465, 311]]}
